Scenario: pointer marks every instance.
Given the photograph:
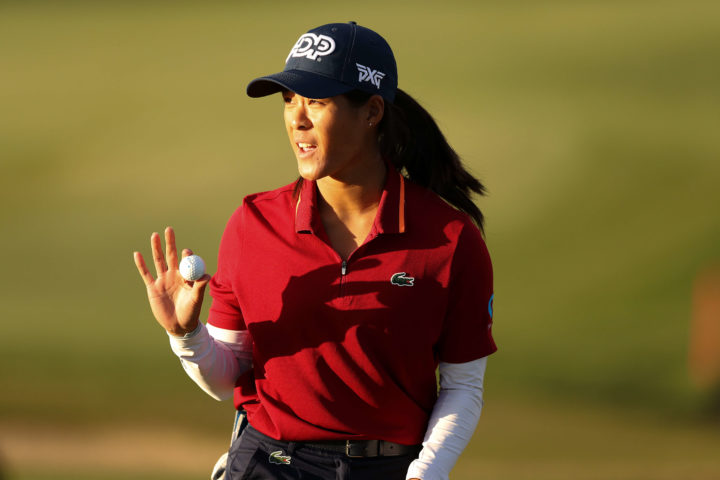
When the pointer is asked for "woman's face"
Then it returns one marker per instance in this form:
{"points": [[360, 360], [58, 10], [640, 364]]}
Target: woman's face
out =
{"points": [[330, 137]]}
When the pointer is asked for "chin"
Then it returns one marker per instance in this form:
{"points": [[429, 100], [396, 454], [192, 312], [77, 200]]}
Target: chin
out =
{"points": [[311, 178], [309, 171]]}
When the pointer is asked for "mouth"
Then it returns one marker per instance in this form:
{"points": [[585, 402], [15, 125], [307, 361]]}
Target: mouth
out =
{"points": [[305, 147]]}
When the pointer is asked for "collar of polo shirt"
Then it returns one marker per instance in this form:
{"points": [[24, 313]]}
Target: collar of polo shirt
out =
{"points": [[391, 211]]}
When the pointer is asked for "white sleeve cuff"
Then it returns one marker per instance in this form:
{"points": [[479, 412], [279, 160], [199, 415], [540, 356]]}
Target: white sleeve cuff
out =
{"points": [[214, 364], [452, 421]]}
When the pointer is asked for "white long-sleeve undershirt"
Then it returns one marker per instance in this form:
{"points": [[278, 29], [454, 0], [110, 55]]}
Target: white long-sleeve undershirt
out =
{"points": [[214, 358], [452, 421]]}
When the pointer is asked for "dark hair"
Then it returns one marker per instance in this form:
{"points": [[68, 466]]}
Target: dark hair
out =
{"points": [[412, 141]]}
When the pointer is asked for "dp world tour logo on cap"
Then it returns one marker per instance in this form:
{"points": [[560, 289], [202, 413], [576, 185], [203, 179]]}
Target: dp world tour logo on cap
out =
{"points": [[367, 74], [311, 46]]}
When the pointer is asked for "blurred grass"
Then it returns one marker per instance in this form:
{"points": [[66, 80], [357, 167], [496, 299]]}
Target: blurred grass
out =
{"points": [[75, 475], [594, 125], [521, 440]]}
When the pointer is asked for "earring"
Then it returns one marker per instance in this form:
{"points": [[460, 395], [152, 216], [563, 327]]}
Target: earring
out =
{"points": [[370, 124]]}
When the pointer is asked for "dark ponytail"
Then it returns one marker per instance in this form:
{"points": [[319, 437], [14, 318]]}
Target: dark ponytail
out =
{"points": [[413, 142]]}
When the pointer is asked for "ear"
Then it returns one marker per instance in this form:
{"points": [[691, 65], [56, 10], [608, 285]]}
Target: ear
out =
{"points": [[375, 108]]}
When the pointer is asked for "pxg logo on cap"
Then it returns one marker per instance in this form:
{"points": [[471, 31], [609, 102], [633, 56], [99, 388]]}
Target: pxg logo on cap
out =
{"points": [[311, 46], [367, 74]]}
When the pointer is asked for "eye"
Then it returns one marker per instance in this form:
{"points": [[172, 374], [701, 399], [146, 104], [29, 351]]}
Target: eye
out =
{"points": [[287, 96], [316, 101]]}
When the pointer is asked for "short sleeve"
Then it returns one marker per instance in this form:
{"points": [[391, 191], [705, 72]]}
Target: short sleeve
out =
{"points": [[225, 310], [467, 328]]}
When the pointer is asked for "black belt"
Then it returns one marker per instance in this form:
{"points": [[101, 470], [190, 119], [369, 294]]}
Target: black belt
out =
{"points": [[365, 448], [351, 448]]}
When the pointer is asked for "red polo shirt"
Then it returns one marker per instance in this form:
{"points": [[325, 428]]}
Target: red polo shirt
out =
{"points": [[349, 349]]}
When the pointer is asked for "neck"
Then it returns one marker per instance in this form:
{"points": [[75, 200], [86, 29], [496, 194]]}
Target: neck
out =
{"points": [[355, 194]]}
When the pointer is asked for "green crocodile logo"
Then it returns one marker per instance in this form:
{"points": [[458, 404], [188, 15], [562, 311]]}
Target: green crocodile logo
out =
{"points": [[401, 280], [279, 458]]}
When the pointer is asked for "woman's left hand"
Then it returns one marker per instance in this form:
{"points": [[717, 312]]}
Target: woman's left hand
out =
{"points": [[175, 302]]}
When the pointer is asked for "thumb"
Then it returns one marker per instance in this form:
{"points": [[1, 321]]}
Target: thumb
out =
{"points": [[200, 284]]}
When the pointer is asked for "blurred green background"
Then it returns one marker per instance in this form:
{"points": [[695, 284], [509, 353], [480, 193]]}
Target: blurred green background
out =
{"points": [[593, 124]]}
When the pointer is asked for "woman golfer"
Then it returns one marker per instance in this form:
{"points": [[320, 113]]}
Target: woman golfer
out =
{"points": [[337, 297]]}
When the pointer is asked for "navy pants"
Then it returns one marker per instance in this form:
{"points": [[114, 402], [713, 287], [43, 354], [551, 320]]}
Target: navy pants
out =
{"points": [[254, 456]]}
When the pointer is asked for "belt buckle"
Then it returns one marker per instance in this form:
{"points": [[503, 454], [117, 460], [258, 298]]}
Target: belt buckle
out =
{"points": [[370, 448], [348, 444]]}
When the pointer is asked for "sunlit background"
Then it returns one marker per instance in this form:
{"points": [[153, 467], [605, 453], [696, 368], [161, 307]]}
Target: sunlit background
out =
{"points": [[595, 126]]}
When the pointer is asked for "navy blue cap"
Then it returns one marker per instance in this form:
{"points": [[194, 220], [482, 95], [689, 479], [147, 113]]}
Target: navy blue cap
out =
{"points": [[334, 59]]}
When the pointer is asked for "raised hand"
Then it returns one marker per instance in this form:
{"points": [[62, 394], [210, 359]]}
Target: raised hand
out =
{"points": [[175, 302]]}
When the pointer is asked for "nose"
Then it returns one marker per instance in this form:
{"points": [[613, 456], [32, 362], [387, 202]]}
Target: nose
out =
{"points": [[299, 118]]}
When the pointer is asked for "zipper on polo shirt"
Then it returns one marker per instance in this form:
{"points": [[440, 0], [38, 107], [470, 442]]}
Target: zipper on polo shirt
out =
{"points": [[343, 272]]}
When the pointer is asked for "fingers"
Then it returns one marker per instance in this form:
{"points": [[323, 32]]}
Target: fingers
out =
{"points": [[170, 249], [161, 265], [142, 268], [158, 257]]}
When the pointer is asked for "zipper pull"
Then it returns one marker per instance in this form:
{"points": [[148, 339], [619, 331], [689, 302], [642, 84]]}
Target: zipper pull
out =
{"points": [[343, 268]]}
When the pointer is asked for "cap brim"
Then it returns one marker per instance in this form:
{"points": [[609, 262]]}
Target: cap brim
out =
{"points": [[307, 84]]}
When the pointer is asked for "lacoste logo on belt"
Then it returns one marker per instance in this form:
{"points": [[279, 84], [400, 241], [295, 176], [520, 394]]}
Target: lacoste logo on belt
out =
{"points": [[401, 280], [279, 458], [311, 46], [367, 74]]}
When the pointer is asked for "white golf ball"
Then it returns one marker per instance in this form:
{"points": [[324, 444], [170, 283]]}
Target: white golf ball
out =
{"points": [[192, 268]]}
